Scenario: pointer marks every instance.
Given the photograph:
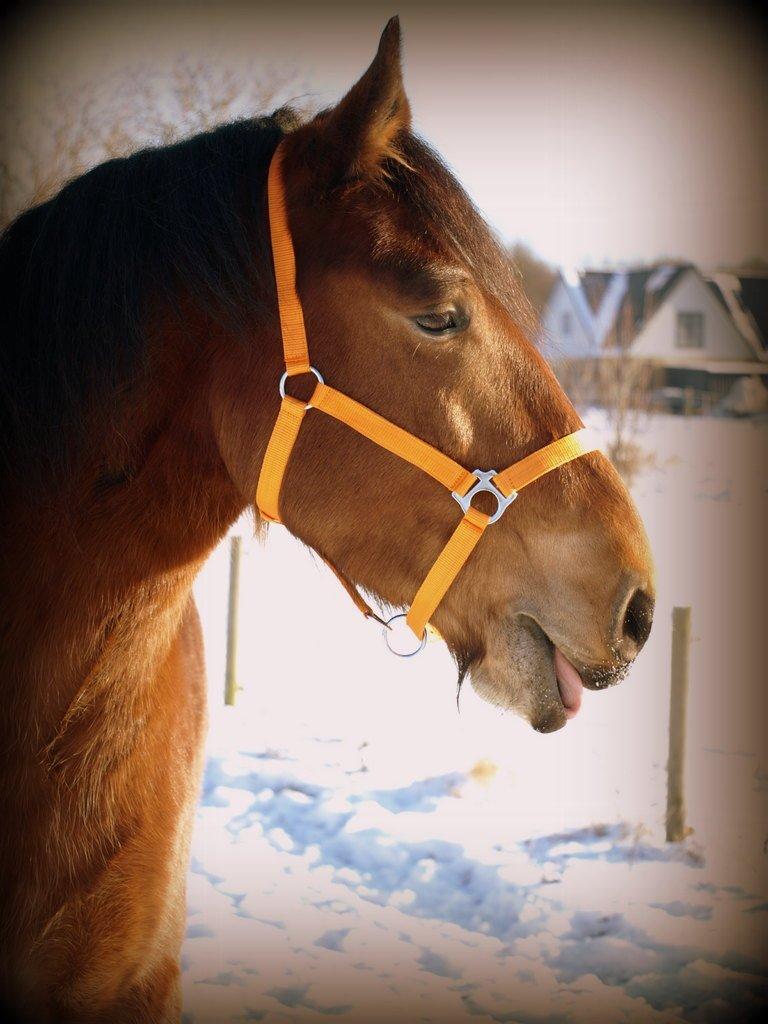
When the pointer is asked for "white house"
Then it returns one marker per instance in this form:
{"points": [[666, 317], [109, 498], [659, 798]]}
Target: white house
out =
{"points": [[567, 322], [694, 336], [693, 329]]}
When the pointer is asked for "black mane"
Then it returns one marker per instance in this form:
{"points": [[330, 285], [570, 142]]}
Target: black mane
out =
{"points": [[82, 274], [78, 273]]}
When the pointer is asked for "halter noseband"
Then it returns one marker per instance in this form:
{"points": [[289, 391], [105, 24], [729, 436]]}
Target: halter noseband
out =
{"points": [[462, 484]]}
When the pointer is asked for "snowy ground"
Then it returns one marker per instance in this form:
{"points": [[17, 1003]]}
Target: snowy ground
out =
{"points": [[364, 852]]}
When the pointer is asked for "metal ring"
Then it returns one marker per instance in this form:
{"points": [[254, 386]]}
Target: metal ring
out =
{"points": [[285, 376], [390, 648], [485, 483]]}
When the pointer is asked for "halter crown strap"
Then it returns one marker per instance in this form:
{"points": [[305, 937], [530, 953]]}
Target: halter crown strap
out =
{"points": [[455, 478], [294, 335]]}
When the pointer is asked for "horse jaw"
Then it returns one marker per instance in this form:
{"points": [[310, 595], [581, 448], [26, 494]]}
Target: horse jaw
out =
{"points": [[517, 673]]}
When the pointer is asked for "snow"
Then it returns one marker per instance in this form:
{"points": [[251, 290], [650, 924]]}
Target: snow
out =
{"points": [[609, 307], [746, 396], [364, 852]]}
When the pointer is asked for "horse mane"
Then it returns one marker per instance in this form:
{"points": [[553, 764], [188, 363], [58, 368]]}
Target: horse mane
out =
{"points": [[82, 274]]}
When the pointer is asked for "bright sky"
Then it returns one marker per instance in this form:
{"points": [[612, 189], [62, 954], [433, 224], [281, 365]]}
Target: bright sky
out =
{"points": [[593, 132]]}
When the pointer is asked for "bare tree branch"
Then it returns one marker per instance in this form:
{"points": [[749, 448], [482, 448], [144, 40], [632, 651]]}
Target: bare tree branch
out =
{"points": [[70, 127]]}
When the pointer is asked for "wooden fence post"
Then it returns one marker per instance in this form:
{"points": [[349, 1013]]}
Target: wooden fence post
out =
{"points": [[678, 701], [230, 673]]}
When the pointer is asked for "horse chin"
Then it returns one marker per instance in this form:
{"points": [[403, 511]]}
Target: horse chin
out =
{"points": [[517, 673]]}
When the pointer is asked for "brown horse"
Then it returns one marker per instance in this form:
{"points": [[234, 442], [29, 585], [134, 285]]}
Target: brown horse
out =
{"points": [[139, 389]]}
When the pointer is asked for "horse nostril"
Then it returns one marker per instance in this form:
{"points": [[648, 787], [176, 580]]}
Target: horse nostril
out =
{"points": [[638, 618]]}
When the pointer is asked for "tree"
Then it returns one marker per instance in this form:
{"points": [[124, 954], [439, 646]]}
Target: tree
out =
{"points": [[537, 276], [74, 125]]}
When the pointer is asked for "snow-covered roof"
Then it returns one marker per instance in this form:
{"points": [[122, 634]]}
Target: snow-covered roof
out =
{"points": [[608, 310], [660, 277], [746, 299], [616, 307], [572, 282], [641, 289]]}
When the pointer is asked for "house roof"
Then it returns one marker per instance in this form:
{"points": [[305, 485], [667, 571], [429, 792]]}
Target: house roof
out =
{"points": [[615, 306], [745, 296], [594, 283], [643, 289], [572, 284], [754, 297], [606, 314]]}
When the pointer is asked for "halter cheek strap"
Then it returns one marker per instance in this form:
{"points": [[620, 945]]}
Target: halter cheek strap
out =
{"points": [[462, 484]]}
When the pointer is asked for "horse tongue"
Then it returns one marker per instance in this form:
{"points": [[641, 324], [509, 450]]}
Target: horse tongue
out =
{"points": [[569, 683]]}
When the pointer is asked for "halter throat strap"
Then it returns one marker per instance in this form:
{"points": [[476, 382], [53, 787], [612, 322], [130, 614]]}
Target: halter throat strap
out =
{"points": [[460, 482]]}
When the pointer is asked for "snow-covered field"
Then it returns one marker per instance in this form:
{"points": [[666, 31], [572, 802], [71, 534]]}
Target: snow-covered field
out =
{"points": [[364, 852]]}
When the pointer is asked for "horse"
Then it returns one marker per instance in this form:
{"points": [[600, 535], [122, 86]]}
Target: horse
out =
{"points": [[140, 363]]}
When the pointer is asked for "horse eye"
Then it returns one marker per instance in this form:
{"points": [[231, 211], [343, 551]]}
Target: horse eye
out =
{"points": [[439, 323]]}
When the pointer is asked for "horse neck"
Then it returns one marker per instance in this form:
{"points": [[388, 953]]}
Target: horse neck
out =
{"points": [[100, 572]]}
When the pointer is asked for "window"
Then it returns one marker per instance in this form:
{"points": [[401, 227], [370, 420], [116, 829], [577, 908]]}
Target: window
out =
{"points": [[690, 330], [566, 325]]}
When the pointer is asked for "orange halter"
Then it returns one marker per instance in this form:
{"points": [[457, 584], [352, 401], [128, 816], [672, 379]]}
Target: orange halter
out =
{"points": [[462, 484]]}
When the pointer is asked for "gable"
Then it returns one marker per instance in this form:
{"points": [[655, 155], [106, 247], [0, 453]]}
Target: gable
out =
{"points": [[690, 311], [565, 327]]}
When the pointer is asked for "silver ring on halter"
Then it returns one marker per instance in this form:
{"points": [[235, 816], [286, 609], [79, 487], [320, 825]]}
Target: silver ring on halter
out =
{"points": [[408, 654], [284, 378], [485, 483]]}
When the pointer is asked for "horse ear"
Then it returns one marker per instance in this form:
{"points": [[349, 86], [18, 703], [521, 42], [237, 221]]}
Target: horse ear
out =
{"points": [[361, 131]]}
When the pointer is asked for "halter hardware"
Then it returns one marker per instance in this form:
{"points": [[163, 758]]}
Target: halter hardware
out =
{"points": [[485, 483], [462, 484], [387, 631], [284, 380]]}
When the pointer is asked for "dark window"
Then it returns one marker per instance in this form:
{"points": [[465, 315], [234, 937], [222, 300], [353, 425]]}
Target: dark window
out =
{"points": [[690, 330]]}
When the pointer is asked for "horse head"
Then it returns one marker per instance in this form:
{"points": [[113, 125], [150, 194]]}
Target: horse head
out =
{"points": [[414, 310]]}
